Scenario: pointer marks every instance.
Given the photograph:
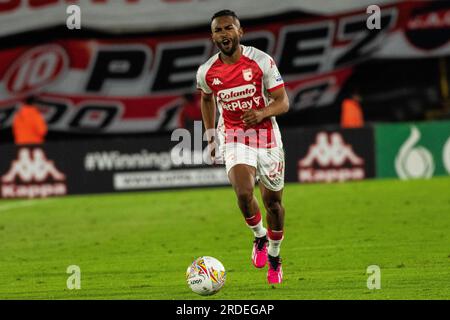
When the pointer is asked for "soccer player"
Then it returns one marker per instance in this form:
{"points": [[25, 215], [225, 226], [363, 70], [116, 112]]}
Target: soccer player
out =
{"points": [[249, 92]]}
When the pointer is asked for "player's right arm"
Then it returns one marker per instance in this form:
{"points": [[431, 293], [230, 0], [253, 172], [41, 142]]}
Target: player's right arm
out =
{"points": [[208, 108]]}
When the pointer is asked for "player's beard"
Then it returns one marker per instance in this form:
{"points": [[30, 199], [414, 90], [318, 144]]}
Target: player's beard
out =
{"points": [[229, 52]]}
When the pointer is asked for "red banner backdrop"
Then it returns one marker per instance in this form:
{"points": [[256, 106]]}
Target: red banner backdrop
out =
{"points": [[137, 83]]}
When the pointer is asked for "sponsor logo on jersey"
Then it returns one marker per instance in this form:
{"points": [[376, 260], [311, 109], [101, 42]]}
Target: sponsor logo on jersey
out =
{"points": [[330, 159], [239, 98], [36, 68], [238, 105], [277, 76], [241, 92], [32, 175]]}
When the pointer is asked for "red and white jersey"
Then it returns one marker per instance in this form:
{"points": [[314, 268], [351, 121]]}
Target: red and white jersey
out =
{"points": [[241, 86]]}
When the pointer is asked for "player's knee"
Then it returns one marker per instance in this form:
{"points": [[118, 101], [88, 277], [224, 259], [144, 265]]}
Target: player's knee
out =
{"points": [[273, 206], [245, 195]]}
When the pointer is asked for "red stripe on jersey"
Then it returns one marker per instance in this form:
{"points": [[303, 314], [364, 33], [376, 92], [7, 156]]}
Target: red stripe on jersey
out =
{"points": [[275, 88], [201, 90]]}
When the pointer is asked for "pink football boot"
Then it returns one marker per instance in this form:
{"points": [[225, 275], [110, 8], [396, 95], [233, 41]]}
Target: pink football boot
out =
{"points": [[259, 253], [275, 272]]}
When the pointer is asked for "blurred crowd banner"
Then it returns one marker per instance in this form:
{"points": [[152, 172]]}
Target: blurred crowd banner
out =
{"points": [[129, 66], [410, 151], [148, 15]]}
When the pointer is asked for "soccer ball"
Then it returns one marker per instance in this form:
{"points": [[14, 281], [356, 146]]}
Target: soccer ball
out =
{"points": [[206, 276]]}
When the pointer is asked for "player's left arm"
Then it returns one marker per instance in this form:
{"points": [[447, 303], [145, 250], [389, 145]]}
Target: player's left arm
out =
{"points": [[278, 106]]}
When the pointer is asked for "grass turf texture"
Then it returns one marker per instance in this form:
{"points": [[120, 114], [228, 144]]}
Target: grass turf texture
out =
{"points": [[138, 245]]}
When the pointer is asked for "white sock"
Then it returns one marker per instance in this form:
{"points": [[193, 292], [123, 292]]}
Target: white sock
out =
{"points": [[274, 247], [259, 230]]}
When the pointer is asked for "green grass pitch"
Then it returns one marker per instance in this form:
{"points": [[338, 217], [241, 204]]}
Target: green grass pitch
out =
{"points": [[138, 245]]}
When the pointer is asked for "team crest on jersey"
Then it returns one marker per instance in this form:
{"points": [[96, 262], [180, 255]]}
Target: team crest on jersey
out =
{"points": [[248, 74]]}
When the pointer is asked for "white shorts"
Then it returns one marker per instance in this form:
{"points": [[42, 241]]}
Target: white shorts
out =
{"points": [[269, 163]]}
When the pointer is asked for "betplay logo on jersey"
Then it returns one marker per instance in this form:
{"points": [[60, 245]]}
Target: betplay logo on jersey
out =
{"points": [[32, 175], [237, 98]]}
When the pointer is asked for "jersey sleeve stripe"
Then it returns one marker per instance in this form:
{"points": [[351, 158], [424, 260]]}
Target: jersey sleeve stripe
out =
{"points": [[206, 93], [276, 87]]}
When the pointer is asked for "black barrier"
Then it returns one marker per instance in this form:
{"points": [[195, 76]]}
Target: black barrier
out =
{"points": [[99, 166], [117, 165], [329, 155]]}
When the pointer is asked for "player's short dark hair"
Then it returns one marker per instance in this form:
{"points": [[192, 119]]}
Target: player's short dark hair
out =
{"points": [[224, 13]]}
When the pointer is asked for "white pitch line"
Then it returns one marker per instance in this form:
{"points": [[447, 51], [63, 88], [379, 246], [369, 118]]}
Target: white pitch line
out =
{"points": [[22, 204]]}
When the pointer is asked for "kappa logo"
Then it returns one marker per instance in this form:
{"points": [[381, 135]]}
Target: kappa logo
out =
{"points": [[330, 152], [326, 158], [32, 167], [216, 82], [28, 176]]}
